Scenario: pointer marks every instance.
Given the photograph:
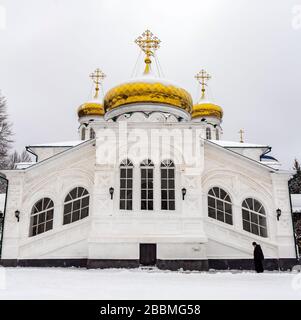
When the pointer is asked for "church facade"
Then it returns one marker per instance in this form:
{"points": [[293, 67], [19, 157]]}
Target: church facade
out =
{"points": [[149, 182]]}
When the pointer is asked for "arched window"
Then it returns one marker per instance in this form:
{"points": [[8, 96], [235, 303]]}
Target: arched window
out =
{"points": [[41, 219], [217, 134], [254, 217], [126, 185], [208, 133], [76, 205], [92, 133], [83, 136], [219, 205], [147, 185], [167, 185]]}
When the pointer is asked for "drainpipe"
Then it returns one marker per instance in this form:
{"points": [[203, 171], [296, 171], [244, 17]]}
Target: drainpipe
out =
{"points": [[30, 151], [268, 150], [295, 240], [2, 176]]}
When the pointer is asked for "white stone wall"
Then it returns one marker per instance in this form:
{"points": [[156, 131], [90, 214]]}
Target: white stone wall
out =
{"points": [[110, 233], [241, 179]]}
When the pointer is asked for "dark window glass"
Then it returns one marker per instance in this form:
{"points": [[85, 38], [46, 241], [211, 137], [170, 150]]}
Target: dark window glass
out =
{"points": [[41, 217], [254, 219], [219, 205], [126, 185], [167, 185], [76, 202]]}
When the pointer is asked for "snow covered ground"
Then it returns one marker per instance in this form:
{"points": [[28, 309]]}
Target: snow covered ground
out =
{"points": [[72, 283]]}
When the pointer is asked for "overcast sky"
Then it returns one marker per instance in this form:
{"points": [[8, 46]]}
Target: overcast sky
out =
{"points": [[252, 49]]}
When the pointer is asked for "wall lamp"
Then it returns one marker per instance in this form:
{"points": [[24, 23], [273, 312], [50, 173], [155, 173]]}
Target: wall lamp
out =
{"points": [[17, 215], [184, 193], [278, 213], [111, 190]]}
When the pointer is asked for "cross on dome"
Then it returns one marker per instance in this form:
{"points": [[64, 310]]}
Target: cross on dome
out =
{"points": [[241, 134], [203, 77], [97, 76], [148, 43]]}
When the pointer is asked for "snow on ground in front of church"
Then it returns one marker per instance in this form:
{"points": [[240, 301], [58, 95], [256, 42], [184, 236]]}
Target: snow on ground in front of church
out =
{"points": [[72, 283]]}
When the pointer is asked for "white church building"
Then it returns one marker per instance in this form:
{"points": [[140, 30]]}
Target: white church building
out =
{"points": [[149, 182]]}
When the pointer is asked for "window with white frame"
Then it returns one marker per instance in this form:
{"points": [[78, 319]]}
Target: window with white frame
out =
{"points": [[147, 185], [217, 134], [254, 217], [92, 133], [208, 133], [83, 137], [41, 219], [76, 206], [126, 185], [219, 205], [167, 185]]}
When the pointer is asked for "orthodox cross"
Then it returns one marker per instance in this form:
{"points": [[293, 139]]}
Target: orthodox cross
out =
{"points": [[148, 43], [241, 133], [202, 78], [97, 76]]}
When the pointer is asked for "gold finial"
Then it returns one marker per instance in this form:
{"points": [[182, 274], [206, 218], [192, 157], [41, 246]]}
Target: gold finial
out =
{"points": [[202, 78], [241, 133], [148, 43], [97, 76]]}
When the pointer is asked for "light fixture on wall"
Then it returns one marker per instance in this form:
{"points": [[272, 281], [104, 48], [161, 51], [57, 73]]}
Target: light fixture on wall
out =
{"points": [[278, 213], [111, 190], [184, 193], [17, 215]]}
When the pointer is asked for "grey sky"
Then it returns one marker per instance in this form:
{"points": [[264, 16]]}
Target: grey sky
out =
{"points": [[250, 48]]}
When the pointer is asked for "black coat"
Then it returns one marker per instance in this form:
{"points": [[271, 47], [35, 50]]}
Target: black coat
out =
{"points": [[258, 254]]}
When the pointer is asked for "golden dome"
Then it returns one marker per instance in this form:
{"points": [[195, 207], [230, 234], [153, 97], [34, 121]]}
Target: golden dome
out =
{"points": [[93, 108], [207, 109], [148, 90]]}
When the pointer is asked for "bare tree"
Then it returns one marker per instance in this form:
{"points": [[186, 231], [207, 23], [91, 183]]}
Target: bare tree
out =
{"points": [[15, 158], [5, 134], [295, 181]]}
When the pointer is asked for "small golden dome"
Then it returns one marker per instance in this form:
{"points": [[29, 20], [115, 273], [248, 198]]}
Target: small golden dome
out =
{"points": [[93, 108], [207, 109], [148, 90]]}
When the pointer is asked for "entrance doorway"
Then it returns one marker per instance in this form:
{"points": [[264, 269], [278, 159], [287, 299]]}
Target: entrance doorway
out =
{"points": [[148, 254]]}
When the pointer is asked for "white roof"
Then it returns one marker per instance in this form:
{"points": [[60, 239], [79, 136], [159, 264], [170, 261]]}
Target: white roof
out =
{"points": [[235, 144], [296, 202], [58, 144]]}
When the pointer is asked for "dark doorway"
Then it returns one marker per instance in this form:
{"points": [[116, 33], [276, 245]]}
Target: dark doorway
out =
{"points": [[148, 254]]}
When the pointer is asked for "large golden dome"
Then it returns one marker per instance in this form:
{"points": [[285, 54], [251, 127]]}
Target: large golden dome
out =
{"points": [[148, 90], [207, 109], [93, 108]]}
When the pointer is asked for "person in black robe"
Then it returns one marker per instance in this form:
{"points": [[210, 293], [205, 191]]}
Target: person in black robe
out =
{"points": [[258, 258]]}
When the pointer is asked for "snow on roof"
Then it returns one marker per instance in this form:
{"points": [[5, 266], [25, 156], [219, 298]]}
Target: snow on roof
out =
{"points": [[2, 201], [296, 202], [24, 165], [58, 144], [234, 144]]}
